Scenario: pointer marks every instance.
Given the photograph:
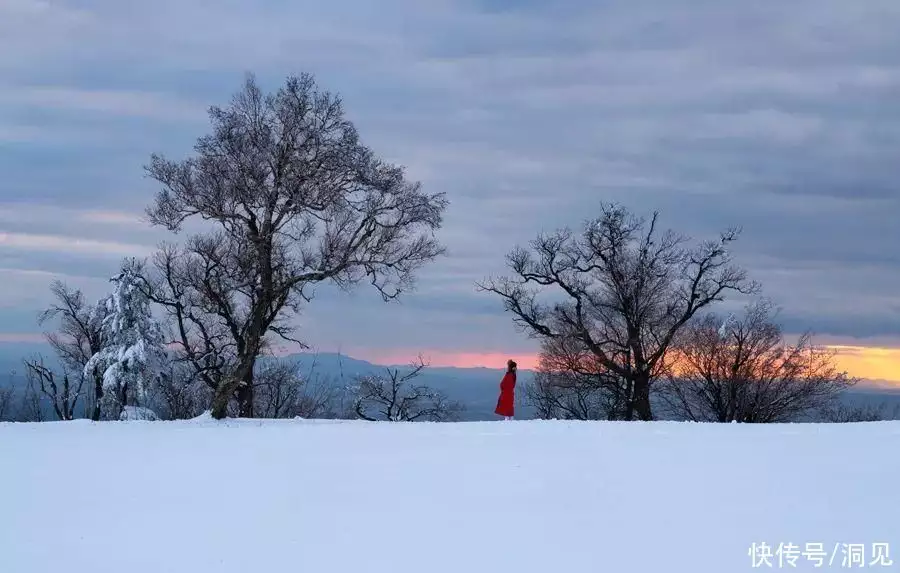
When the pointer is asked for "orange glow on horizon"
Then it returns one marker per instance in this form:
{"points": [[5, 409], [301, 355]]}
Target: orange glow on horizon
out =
{"points": [[870, 363], [439, 359]]}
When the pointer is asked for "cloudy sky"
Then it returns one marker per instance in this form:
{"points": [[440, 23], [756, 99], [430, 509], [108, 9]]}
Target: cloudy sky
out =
{"points": [[780, 117]]}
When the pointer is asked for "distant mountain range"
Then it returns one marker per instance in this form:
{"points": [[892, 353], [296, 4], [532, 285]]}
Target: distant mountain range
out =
{"points": [[477, 388]]}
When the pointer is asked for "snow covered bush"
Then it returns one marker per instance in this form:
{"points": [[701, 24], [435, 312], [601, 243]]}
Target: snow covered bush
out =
{"points": [[130, 413], [133, 354]]}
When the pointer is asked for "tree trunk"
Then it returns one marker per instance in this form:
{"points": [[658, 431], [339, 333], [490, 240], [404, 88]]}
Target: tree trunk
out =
{"points": [[240, 386], [629, 401], [245, 396], [219, 408], [641, 399], [98, 397]]}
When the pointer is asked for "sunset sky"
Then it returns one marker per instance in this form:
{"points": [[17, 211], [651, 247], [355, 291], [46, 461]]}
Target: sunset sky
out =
{"points": [[782, 118]]}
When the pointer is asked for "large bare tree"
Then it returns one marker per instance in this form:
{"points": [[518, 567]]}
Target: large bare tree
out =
{"points": [[744, 370], [293, 199], [623, 291]]}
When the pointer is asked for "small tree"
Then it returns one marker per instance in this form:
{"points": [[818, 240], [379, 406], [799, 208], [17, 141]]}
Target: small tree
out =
{"points": [[78, 337], [30, 405], [178, 394], [390, 398], [133, 355], [624, 292], [282, 392], [7, 394], [63, 390], [743, 370], [294, 199], [572, 384]]}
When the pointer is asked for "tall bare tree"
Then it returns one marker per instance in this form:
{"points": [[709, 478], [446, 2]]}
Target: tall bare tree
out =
{"points": [[391, 398], [294, 199], [624, 291], [744, 370]]}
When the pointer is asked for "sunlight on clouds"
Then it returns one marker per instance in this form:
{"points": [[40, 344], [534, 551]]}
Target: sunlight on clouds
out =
{"points": [[75, 245], [109, 217]]}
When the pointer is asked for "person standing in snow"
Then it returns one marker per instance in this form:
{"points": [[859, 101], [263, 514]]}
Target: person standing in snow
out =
{"points": [[506, 401]]}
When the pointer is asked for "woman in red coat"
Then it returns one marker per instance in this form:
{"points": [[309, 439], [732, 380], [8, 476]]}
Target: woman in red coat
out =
{"points": [[505, 404]]}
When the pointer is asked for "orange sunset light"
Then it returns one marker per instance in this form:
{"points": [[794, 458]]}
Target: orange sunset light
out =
{"points": [[870, 362], [865, 362]]}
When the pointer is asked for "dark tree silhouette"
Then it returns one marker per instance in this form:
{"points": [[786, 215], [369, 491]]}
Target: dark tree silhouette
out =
{"points": [[572, 384], [77, 337], [283, 392], [743, 370], [294, 199], [6, 401], [624, 291], [63, 390], [391, 398]]}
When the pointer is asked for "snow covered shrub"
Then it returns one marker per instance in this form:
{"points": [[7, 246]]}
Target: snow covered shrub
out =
{"points": [[130, 413], [133, 354]]}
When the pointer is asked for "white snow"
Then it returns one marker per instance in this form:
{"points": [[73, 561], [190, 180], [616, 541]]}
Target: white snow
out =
{"points": [[133, 349], [202, 496]]}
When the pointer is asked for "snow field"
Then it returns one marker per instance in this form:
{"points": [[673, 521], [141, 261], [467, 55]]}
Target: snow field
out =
{"points": [[312, 496]]}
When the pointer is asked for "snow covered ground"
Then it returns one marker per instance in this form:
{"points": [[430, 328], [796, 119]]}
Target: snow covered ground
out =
{"points": [[315, 496]]}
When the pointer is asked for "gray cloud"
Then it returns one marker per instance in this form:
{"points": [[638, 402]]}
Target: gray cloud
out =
{"points": [[778, 117]]}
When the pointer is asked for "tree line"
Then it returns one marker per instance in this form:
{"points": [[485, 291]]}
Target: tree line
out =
{"points": [[624, 313], [282, 196]]}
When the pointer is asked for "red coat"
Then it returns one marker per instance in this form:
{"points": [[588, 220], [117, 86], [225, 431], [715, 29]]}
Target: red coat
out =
{"points": [[505, 404]]}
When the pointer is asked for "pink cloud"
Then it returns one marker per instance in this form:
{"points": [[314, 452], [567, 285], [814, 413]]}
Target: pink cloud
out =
{"points": [[439, 358], [20, 337]]}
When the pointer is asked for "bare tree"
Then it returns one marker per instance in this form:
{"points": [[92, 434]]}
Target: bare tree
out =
{"points": [[30, 407], [572, 384], [178, 395], [295, 199], [391, 398], [625, 292], [7, 394], [78, 336], [743, 370], [283, 392], [63, 390]]}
